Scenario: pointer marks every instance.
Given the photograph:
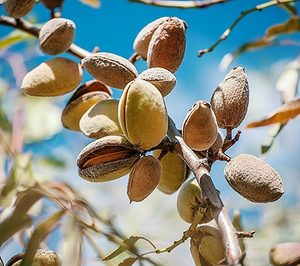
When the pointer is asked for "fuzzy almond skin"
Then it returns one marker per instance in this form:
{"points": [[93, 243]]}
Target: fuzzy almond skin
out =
{"points": [[56, 36], [200, 129], [143, 178], [142, 40], [142, 114], [167, 45], [189, 198], [110, 69], [218, 143], [174, 171], [52, 3], [287, 253], [55, 77], [18, 8], [74, 110], [231, 98], [253, 178], [161, 78], [41, 258], [101, 120]]}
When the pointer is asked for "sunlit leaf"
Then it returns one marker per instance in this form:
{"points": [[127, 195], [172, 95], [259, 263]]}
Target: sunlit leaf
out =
{"points": [[16, 218], [126, 245], [128, 261], [92, 3], [287, 82], [72, 243], [284, 113], [272, 134], [39, 234], [291, 26], [42, 119], [14, 37]]}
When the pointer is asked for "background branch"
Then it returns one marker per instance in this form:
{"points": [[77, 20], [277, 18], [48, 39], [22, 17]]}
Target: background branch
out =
{"points": [[243, 14], [201, 170]]}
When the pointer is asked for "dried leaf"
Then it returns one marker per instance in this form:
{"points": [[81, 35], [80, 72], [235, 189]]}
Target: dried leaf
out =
{"points": [[127, 245], [72, 245], [39, 234], [287, 82], [291, 26], [92, 3], [128, 261], [289, 7], [237, 223], [14, 37], [287, 111], [273, 133]]}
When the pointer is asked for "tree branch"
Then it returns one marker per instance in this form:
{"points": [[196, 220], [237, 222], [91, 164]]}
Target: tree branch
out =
{"points": [[243, 14], [201, 170], [24, 25], [179, 4]]}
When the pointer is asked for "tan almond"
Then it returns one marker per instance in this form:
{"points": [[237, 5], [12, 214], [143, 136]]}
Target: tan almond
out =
{"points": [[190, 200], [41, 258], [253, 178], [18, 8], [75, 109], [143, 178], [55, 77], [142, 114], [56, 36], [142, 40], [200, 129], [231, 98], [106, 159], [101, 120], [110, 69], [174, 172], [167, 45], [161, 78]]}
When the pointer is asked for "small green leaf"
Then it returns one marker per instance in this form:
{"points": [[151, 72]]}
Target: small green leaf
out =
{"points": [[128, 261], [14, 37], [273, 133], [39, 234]]}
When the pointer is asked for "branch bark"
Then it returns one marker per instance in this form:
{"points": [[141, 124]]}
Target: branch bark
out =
{"points": [[24, 25], [201, 170]]}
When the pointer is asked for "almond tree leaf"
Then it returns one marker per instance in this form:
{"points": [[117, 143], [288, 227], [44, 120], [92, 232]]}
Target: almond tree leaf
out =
{"points": [[39, 234], [128, 261], [14, 37], [273, 133], [289, 7], [284, 113], [92, 3], [237, 224], [291, 26], [72, 243], [16, 218], [287, 82]]}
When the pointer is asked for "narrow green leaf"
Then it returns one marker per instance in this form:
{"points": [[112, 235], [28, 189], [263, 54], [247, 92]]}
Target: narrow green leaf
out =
{"points": [[39, 234], [273, 133], [14, 37], [128, 261]]}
